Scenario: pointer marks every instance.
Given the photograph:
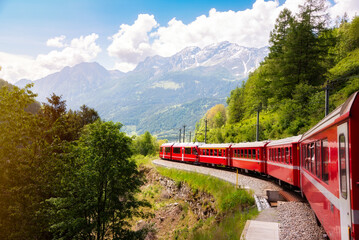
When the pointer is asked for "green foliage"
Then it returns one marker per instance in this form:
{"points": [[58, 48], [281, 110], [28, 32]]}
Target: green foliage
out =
{"points": [[145, 144], [227, 197], [235, 206], [99, 187], [230, 227], [21, 185], [288, 86]]}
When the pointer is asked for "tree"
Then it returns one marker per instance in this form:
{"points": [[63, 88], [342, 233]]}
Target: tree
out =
{"points": [[145, 144], [216, 116], [22, 186], [99, 187]]}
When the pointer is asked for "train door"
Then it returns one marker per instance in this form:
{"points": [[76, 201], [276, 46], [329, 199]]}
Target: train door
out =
{"points": [[182, 153], [344, 187]]}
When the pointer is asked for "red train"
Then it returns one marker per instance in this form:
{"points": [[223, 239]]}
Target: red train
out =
{"points": [[323, 163]]}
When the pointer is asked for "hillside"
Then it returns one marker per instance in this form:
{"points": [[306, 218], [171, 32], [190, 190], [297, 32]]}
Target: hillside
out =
{"points": [[158, 84], [288, 87]]}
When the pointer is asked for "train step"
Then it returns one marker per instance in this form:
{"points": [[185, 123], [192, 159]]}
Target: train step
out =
{"points": [[290, 197]]}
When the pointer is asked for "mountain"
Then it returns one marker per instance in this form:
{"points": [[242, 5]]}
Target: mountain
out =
{"points": [[147, 97]]}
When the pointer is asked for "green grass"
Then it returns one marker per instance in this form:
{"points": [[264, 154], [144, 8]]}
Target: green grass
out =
{"points": [[234, 206], [230, 227], [144, 160]]}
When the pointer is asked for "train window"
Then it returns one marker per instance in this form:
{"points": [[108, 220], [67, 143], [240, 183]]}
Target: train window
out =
{"points": [[176, 150], [245, 153], [220, 152], [325, 161], [215, 152], [308, 157], [279, 155], [241, 152], [258, 154], [274, 154], [304, 155], [270, 155], [167, 149], [254, 153], [282, 155], [317, 158], [287, 155], [290, 156], [312, 158], [235, 153], [249, 153], [187, 151], [194, 150], [342, 165]]}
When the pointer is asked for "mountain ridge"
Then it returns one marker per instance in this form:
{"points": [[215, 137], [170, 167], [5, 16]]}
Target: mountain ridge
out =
{"points": [[156, 83]]}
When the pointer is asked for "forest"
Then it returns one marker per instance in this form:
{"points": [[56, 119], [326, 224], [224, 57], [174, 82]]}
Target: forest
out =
{"points": [[66, 174], [288, 89]]}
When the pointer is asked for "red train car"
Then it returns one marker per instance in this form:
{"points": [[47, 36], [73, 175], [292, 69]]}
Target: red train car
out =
{"points": [[283, 160], [166, 151], [330, 170], [250, 156], [187, 152], [218, 154]]}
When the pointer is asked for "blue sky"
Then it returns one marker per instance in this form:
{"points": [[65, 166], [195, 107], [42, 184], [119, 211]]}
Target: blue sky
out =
{"points": [[41, 37]]}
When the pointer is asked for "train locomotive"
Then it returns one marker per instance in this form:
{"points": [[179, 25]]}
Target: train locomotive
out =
{"points": [[323, 163]]}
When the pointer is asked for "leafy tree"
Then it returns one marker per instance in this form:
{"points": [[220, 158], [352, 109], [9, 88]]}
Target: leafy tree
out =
{"points": [[22, 186], [216, 116], [145, 144], [99, 187]]}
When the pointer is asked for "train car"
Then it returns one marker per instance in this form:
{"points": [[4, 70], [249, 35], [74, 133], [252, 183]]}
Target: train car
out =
{"points": [[166, 151], [329, 175], [187, 152], [218, 154], [283, 160], [250, 156]]}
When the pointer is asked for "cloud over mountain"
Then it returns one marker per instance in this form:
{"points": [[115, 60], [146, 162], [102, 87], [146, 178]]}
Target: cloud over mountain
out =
{"points": [[82, 49], [249, 28]]}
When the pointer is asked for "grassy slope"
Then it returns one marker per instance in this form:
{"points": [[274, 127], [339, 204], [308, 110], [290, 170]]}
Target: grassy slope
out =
{"points": [[234, 206]]}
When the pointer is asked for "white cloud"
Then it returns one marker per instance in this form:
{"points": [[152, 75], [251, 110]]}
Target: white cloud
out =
{"points": [[16, 67], [131, 43], [56, 42], [250, 28], [351, 7]]}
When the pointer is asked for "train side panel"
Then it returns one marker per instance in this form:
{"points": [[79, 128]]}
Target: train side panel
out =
{"points": [[354, 167], [248, 158]]}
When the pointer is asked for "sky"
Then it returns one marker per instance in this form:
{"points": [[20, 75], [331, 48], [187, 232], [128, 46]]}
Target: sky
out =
{"points": [[39, 37]]}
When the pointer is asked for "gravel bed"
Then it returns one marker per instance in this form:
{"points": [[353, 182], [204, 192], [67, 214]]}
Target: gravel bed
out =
{"points": [[259, 186], [297, 221]]}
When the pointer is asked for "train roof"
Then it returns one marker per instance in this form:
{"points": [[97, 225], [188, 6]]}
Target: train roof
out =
{"points": [[288, 140], [250, 144], [191, 144], [167, 144], [340, 113], [218, 145]]}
